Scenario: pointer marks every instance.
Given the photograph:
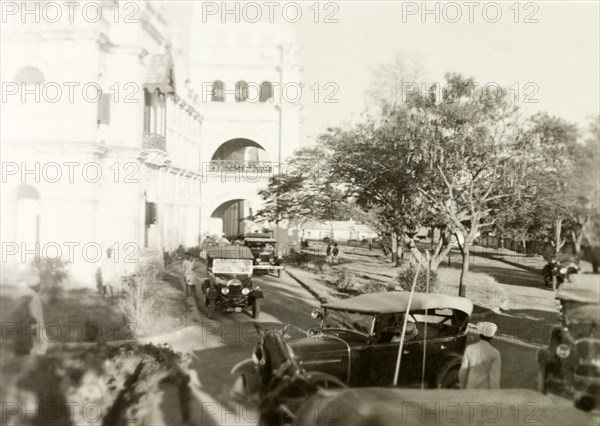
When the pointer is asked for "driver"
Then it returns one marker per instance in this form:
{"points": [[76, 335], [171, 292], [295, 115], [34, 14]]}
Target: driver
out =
{"points": [[411, 333]]}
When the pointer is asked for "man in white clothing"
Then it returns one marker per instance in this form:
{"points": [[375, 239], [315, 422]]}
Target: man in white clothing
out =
{"points": [[480, 367]]}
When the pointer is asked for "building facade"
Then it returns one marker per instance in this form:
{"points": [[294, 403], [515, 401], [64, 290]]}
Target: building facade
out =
{"points": [[100, 141], [248, 76]]}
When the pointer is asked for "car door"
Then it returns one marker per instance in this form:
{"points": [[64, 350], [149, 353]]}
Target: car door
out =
{"points": [[380, 358]]}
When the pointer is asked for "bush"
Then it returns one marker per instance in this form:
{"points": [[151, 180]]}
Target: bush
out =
{"points": [[52, 276], [326, 240], [345, 279], [304, 259], [406, 276]]}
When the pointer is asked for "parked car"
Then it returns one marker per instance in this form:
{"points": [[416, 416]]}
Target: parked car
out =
{"points": [[264, 250], [560, 268], [229, 284], [355, 342], [571, 361]]}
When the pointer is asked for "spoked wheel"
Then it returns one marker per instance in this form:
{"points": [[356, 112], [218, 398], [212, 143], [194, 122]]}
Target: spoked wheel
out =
{"points": [[326, 381], [450, 380]]}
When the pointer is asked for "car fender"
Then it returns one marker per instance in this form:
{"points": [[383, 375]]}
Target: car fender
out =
{"points": [[544, 356], [212, 293], [452, 361], [258, 293]]}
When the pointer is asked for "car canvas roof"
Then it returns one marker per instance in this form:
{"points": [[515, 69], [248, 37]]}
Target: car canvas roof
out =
{"points": [[259, 240], [397, 301], [230, 252]]}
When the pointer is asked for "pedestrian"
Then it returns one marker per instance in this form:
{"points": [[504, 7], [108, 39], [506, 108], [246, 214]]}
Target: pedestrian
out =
{"points": [[335, 252], [188, 273], [328, 254], [480, 367]]}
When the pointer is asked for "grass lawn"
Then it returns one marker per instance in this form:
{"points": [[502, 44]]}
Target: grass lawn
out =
{"points": [[362, 270]]}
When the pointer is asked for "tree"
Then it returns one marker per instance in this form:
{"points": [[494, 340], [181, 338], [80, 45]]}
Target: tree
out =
{"points": [[303, 191], [471, 158], [369, 161], [391, 82]]}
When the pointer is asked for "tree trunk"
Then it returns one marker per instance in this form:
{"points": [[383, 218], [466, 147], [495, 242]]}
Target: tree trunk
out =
{"points": [[557, 234], [400, 251], [394, 248], [462, 291]]}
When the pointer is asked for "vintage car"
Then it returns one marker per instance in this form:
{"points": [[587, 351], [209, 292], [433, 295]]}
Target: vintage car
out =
{"points": [[229, 284], [356, 343], [570, 364], [559, 269], [264, 250]]}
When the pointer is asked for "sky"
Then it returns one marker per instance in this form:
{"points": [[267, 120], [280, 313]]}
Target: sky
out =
{"points": [[551, 65]]}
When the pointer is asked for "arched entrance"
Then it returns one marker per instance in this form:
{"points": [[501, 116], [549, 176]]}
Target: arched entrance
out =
{"points": [[240, 150], [232, 218]]}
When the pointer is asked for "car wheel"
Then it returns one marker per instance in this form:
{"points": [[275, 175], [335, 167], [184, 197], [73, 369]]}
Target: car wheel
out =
{"points": [[326, 381], [256, 309], [239, 388], [450, 380], [211, 308]]}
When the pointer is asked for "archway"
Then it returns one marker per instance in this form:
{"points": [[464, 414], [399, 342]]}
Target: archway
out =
{"points": [[240, 150], [232, 219]]}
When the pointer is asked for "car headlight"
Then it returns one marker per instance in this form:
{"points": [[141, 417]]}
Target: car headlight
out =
{"points": [[563, 270], [257, 261], [224, 290], [245, 291], [563, 351]]}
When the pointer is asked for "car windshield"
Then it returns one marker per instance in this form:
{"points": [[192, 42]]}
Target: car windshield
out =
{"points": [[232, 266], [345, 320]]}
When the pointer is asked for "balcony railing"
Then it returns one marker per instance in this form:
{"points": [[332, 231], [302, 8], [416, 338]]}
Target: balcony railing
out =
{"points": [[154, 141], [227, 166]]}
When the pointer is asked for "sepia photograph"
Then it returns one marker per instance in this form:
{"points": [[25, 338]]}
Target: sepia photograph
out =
{"points": [[299, 213]]}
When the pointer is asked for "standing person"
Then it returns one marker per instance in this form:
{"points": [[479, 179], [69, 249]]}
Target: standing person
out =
{"points": [[188, 273], [328, 254], [335, 252], [480, 367]]}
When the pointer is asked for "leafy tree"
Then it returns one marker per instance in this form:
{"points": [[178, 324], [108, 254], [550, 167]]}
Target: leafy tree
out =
{"points": [[470, 157], [303, 191], [370, 161]]}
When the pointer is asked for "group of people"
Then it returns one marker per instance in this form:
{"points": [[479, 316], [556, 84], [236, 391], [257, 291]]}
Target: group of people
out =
{"points": [[331, 254]]}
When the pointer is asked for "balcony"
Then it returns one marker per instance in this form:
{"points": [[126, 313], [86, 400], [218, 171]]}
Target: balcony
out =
{"points": [[154, 141], [246, 167]]}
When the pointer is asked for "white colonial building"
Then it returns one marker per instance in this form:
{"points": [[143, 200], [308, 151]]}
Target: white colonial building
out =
{"points": [[100, 141], [249, 79]]}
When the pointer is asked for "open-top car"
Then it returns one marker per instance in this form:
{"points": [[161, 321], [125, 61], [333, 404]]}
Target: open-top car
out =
{"points": [[229, 284], [357, 342], [264, 250], [571, 362]]}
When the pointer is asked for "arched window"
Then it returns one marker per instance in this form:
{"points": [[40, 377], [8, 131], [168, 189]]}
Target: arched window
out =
{"points": [[29, 75], [241, 91], [266, 91], [218, 91]]}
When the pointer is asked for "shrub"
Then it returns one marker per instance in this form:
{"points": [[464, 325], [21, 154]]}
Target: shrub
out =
{"points": [[52, 276], [345, 279], [406, 276]]}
